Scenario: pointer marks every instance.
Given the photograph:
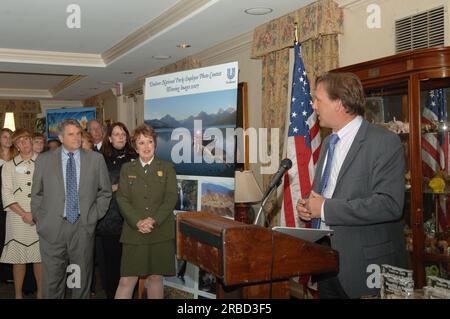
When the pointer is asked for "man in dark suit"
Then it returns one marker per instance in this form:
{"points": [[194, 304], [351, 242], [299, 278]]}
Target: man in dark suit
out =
{"points": [[358, 188], [70, 193], [98, 133]]}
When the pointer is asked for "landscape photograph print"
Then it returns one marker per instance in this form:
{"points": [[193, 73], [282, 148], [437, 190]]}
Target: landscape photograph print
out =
{"points": [[201, 122]]}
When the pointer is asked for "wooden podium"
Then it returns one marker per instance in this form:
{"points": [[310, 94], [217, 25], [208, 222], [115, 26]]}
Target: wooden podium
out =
{"points": [[249, 261]]}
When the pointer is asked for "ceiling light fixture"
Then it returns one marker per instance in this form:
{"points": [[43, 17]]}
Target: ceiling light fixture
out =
{"points": [[258, 11], [127, 72], [183, 45], [161, 57]]}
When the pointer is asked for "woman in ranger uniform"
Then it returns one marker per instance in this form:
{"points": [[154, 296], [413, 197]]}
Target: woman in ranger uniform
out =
{"points": [[146, 196], [21, 242]]}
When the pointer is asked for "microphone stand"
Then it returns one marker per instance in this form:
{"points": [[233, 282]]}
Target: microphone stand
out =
{"points": [[261, 208]]}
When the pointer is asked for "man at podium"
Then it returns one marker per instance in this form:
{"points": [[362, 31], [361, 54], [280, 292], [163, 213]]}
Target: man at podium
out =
{"points": [[358, 188]]}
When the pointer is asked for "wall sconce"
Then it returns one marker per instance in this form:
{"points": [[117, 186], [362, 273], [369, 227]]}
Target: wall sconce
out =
{"points": [[9, 121]]}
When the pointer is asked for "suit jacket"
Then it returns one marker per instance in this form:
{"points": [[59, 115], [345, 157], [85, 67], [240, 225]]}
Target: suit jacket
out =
{"points": [[366, 208], [142, 195], [48, 192]]}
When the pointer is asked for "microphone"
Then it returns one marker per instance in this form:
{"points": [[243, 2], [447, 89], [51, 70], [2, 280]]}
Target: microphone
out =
{"points": [[285, 165]]}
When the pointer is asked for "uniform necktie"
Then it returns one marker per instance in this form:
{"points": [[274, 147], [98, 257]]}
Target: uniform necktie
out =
{"points": [[326, 172], [72, 209], [146, 168]]}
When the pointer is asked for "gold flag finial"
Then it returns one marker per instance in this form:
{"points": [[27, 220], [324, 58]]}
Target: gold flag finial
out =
{"points": [[296, 32]]}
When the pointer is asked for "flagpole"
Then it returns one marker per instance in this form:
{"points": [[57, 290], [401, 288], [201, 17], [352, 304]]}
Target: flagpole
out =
{"points": [[296, 32]]}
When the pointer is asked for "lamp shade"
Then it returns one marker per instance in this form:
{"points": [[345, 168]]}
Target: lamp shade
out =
{"points": [[246, 189], [9, 121]]}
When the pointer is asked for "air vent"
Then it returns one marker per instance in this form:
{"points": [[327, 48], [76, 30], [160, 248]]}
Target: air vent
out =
{"points": [[423, 30]]}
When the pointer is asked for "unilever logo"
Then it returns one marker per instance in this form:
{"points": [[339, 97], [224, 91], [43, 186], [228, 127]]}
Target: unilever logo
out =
{"points": [[231, 75]]}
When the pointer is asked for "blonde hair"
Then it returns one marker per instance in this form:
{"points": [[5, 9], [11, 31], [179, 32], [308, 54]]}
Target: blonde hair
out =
{"points": [[19, 133]]}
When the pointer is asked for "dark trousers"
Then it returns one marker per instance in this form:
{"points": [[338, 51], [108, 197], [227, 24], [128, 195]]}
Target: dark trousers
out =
{"points": [[112, 253], [29, 283], [328, 283], [100, 262], [5, 269]]}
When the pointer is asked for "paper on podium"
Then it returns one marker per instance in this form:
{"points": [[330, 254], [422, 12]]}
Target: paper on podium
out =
{"points": [[308, 234]]}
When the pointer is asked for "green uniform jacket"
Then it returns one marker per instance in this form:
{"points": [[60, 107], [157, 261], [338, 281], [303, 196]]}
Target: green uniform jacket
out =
{"points": [[142, 195]]}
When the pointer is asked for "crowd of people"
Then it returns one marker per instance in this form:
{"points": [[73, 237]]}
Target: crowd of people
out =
{"points": [[106, 192], [95, 197]]}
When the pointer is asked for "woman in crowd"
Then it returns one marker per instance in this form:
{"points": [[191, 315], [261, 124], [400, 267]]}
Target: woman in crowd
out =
{"points": [[29, 286], [87, 142], [38, 143], [53, 144], [21, 242], [6, 153], [117, 150], [146, 196]]}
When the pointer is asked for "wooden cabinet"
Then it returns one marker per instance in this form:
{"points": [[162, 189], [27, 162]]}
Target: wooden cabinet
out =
{"points": [[414, 89]]}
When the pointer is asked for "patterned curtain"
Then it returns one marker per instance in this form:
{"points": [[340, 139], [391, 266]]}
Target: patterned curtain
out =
{"points": [[318, 27], [25, 112], [275, 88]]}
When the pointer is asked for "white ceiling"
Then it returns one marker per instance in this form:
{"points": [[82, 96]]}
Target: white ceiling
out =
{"points": [[115, 36]]}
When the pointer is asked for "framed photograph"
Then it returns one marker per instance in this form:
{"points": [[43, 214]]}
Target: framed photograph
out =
{"points": [[374, 110], [242, 147], [39, 125], [194, 114], [217, 196], [187, 190], [56, 116]]}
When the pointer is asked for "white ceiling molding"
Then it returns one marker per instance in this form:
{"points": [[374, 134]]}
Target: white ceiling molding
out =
{"points": [[176, 15], [40, 93], [51, 58], [65, 83], [104, 51], [25, 94]]}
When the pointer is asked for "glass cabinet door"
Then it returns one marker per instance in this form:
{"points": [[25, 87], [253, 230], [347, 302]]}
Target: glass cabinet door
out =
{"points": [[389, 107], [435, 160]]}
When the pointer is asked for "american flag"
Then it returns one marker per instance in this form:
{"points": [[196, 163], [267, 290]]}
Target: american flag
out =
{"points": [[303, 144], [435, 147]]}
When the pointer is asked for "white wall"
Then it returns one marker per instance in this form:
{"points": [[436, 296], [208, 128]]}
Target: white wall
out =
{"points": [[359, 43]]}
